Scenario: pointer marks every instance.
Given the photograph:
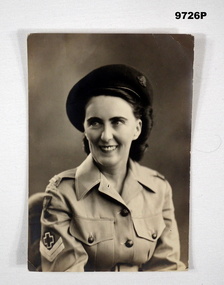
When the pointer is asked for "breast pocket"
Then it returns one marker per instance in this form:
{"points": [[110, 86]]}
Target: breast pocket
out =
{"points": [[149, 230], [97, 237]]}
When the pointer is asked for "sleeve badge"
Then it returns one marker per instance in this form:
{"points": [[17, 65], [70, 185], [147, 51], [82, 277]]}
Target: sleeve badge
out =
{"points": [[49, 247]]}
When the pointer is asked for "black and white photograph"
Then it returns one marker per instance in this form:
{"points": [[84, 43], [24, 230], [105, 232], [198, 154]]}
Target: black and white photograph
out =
{"points": [[112, 153], [109, 151]]}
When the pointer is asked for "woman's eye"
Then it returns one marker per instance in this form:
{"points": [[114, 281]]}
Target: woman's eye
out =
{"points": [[118, 122], [94, 124]]}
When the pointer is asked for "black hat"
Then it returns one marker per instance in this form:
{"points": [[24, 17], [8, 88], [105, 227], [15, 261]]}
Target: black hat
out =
{"points": [[111, 80]]}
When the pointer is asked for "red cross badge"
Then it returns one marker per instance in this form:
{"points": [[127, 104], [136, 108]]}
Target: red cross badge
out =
{"points": [[48, 240]]}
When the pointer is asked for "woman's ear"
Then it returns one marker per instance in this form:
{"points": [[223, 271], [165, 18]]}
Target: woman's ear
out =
{"points": [[138, 129], [85, 135]]}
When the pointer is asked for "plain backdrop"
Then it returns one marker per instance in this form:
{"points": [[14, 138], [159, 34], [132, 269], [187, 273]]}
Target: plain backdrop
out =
{"points": [[18, 19]]}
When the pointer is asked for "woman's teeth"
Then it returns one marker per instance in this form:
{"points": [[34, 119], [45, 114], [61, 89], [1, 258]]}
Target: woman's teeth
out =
{"points": [[108, 148]]}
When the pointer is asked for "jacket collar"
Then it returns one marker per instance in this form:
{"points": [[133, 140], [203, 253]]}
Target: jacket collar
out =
{"points": [[88, 176]]}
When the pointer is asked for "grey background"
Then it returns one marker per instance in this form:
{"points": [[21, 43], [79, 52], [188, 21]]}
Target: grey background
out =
{"points": [[57, 61]]}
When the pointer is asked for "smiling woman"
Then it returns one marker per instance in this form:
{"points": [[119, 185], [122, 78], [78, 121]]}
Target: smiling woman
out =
{"points": [[110, 213], [110, 127]]}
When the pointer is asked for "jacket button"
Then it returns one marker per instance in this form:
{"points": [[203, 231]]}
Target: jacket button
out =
{"points": [[124, 212], [91, 239], [129, 243], [154, 236]]}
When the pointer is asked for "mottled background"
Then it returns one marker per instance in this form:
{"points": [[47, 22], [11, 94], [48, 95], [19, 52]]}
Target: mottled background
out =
{"points": [[57, 61]]}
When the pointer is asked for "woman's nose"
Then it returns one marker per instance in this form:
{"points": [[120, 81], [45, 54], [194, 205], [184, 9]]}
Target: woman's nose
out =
{"points": [[107, 134]]}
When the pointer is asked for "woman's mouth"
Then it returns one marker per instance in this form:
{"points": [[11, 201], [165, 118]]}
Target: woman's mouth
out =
{"points": [[108, 148]]}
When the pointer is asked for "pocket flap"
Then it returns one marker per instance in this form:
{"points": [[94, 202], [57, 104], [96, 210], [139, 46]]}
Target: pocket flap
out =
{"points": [[149, 228], [91, 231]]}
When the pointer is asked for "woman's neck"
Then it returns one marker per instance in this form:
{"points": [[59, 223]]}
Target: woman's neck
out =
{"points": [[115, 175]]}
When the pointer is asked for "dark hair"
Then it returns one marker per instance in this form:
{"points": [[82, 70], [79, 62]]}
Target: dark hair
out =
{"points": [[145, 113]]}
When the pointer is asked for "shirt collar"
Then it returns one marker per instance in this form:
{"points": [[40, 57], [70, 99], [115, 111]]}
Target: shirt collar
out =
{"points": [[144, 175], [88, 176]]}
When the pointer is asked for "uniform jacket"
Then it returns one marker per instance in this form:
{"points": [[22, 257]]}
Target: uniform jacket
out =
{"points": [[88, 226]]}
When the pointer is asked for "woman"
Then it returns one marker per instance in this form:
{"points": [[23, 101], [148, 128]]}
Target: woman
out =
{"points": [[110, 213]]}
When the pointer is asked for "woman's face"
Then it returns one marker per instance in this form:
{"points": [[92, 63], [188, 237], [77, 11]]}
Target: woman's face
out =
{"points": [[110, 127]]}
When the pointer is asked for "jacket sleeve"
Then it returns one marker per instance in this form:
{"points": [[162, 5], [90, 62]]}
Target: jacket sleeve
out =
{"points": [[166, 256], [59, 250]]}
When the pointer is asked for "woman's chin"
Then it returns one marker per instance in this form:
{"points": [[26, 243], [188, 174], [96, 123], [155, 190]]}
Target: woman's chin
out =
{"points": [[108, 161]]}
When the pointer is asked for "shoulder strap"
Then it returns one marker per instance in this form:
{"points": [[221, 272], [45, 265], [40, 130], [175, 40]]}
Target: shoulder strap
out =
{"points": [[56, 180]]}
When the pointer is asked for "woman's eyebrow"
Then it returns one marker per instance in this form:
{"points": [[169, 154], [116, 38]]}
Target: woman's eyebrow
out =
{"points": [[90, 119], [118, 118]]}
